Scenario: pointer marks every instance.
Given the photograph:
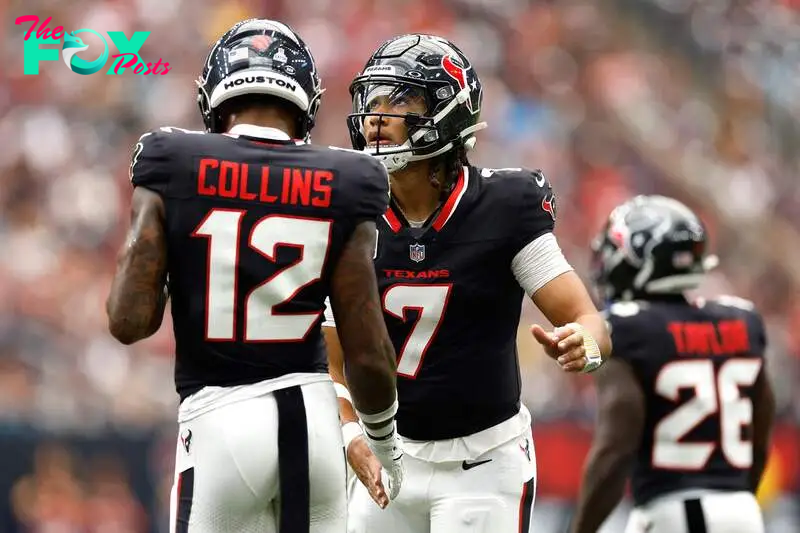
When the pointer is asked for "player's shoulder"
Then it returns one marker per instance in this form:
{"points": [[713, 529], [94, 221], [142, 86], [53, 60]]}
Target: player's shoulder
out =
{"points": [[171, 136], [638, 332], [640, 319], [727, 303], [629, 313], [161, 153], [154, 154], [734, 313], [358, 169], [352, 159], [647, 313], [513, 180], [729, 307], [164, 141], [516, 187], [363, 180]]}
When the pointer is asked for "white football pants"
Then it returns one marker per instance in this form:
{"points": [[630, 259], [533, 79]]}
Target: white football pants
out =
{"points": [[492, 494], [712, 512], [269, 464]]}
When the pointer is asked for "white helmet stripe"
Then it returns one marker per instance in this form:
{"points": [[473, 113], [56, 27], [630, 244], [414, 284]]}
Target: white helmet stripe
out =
{"points": [[284, 29]]}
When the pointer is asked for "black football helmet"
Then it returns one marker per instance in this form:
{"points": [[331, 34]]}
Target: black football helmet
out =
{"points": [[259, 56], [423, 66], [650, 245]]}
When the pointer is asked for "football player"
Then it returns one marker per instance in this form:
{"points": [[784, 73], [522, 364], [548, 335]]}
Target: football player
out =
{"points": [[254, 227], [685, 401], [458, 248]]}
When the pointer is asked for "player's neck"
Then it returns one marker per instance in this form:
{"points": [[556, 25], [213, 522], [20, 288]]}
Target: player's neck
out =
{"points": [[266, 117], [414, 193]]}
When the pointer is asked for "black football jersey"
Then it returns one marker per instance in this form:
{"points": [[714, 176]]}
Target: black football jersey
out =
{"points": [[255, 226], [697, 364], [452, 303]]}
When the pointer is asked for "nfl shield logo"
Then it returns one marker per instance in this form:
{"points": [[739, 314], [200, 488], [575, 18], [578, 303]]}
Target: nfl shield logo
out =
{"points": [[416, 252]]}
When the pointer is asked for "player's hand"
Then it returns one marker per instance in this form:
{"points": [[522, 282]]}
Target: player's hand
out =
{"points": [[564, 344], [367, 469], [389, 451]]}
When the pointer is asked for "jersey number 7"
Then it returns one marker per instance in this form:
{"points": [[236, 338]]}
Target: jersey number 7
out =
{"points": [[430, 302]]}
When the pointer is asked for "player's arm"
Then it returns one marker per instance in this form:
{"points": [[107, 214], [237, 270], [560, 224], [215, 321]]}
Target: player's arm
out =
{"points": [[580, 341], [336, 369], [564, 301], [368, 354], [763, 420], [135, 305], [360, 458], [347, 412], [618, 432]]}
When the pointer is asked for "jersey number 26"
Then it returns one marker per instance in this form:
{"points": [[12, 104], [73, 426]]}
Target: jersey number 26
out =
{"points": [[713, 393]]}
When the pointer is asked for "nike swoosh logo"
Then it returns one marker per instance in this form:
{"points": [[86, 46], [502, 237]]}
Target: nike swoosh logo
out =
{"points": [[466, 466]]}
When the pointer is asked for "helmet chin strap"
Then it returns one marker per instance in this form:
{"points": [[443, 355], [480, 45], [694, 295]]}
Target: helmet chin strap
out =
{"points": [[399, 161]]}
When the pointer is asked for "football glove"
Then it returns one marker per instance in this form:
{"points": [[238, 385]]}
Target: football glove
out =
{"points": [[389, 451]]}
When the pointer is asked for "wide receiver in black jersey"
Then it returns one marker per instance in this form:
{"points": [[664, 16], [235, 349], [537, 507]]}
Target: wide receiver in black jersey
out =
{"points": [[254, 228], [685, 401], [458, 249]]}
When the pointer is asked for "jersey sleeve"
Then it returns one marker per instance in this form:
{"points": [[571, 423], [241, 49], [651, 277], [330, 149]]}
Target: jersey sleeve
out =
{"points": [[535, 208], [628, 333], [372, 199], [151, 162], [745, 309], [759, 342]]}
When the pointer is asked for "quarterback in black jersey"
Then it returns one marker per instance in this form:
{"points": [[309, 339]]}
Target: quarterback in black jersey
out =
{"points": [[685, 406], [254, 227], [458, 249]]}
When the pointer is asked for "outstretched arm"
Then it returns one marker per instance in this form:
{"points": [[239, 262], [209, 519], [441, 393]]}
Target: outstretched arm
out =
{"points": [[565, 301], [580, 341]]}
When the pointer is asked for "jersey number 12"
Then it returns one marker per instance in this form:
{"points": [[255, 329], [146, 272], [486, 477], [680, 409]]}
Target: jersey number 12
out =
{"points": [[222, 228]]}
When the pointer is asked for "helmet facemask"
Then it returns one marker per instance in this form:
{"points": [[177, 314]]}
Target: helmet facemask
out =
{"points": [[429, 134]]}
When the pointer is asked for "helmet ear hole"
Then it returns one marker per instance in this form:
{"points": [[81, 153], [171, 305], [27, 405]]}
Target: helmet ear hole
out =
{"points": [[710, 262]]}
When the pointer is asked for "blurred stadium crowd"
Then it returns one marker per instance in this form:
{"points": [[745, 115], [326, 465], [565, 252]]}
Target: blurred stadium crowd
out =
{"points": [[611, 98]]}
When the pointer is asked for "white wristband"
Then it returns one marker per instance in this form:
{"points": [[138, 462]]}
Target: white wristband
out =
{"points": [[350, 431], [376, 418], [593, 357]]}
